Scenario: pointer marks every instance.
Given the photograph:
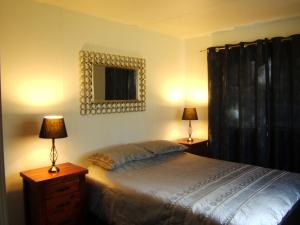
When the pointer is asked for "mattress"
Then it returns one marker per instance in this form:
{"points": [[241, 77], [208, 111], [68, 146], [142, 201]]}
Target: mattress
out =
{"points": [[186, 189]]}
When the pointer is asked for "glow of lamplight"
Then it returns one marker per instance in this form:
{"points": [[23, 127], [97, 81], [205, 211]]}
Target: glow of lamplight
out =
{"points": [[37, 92]]}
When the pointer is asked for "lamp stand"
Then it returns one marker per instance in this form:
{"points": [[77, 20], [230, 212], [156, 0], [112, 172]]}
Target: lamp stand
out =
{"points": [[190, 130], [53, 158]]}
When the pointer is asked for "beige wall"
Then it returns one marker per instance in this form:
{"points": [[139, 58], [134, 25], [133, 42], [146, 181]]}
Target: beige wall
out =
{"points": [[196, 61], [39, 48]]}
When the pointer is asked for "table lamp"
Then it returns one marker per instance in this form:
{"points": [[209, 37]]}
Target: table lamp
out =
{"points": [[53, 127], [190, 114]]}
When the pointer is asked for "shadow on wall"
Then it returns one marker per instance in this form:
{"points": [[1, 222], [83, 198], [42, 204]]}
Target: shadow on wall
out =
{"points": [[15, 204], [202, 112], [22, 125], [29, 127], [22, 153]]}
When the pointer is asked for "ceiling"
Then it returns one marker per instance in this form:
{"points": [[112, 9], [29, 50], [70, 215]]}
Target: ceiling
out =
{"points": [[184, 18]]}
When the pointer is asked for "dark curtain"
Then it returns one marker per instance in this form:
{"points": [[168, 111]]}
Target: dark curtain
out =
{"points": [[120, 84], [254, 103]]}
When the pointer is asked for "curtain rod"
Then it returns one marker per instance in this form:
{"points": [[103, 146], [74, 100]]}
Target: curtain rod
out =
{"points": [[231, 46], [245, 43]]}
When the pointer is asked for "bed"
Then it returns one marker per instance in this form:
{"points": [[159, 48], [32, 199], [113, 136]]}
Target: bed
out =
{"points": [[180, 188]]}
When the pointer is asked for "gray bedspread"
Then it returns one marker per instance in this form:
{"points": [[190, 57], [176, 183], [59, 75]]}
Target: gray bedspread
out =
{"points": [[184, 189]]}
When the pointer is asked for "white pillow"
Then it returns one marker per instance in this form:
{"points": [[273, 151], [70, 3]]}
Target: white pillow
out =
{"points": [[112, 157], [162, 146]]}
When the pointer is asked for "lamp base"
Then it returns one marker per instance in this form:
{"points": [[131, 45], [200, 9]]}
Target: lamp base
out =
{"points": [[53, 157], [190, 139], [53, 169]]}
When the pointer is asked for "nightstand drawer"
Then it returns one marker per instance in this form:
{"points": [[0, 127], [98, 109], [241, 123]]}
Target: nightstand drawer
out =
{"points": [[60, 188], [63, 203]]}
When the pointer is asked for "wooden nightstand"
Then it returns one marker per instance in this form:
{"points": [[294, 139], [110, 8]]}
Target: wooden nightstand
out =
{"points": [[55, 198], [197, 147]]}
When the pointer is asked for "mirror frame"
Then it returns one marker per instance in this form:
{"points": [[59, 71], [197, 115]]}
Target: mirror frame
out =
{"points": [[87, 105]]}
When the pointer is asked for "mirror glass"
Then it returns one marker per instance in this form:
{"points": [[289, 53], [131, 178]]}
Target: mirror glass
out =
{"points": [[114, 83]]}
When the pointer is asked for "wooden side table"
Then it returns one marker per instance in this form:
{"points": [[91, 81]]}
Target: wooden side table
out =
{"points": [[55, 198], [197, 147]]}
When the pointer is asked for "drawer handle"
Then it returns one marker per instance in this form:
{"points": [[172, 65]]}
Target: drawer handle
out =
{"points": [[62, 205], [63, 189], [65, 222]]}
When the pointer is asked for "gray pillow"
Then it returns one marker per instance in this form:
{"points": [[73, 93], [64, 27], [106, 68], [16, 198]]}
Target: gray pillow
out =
{"points": [[112, 157], [162, 146]]}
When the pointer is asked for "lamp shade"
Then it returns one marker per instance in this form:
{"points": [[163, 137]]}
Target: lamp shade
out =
{"points": [[189, 114], [53, 127]]}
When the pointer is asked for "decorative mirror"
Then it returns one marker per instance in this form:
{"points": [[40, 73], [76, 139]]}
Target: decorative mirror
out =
{"points": [[111, 83]]}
